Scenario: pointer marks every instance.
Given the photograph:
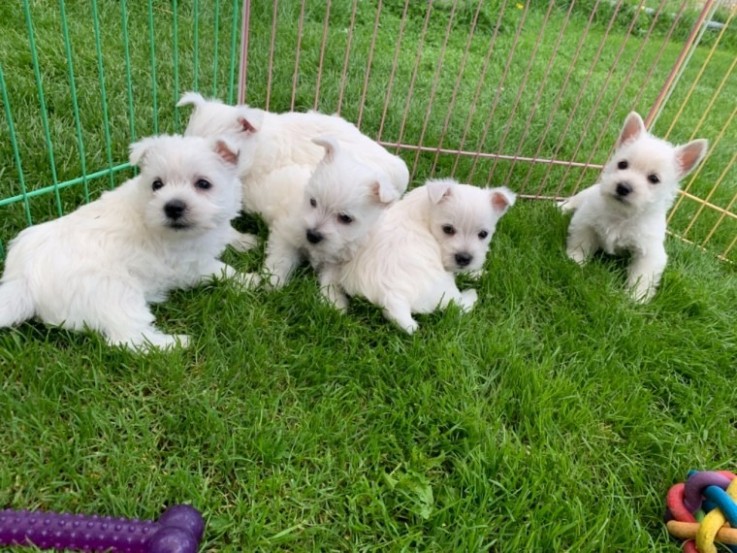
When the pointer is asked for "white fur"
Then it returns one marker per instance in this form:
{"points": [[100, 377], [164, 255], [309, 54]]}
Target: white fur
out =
{"points": [[625, 211], [100, 266], [279, 156], [408, 262]]}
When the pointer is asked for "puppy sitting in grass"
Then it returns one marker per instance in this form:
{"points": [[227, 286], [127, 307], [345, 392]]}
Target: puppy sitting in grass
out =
{"points": [[100, 266], [279, 156], [409, 261], [626, 210]]}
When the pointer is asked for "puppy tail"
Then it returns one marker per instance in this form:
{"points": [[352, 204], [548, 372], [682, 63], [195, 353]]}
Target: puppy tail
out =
{"points": [[191, 99], [16, 303]]}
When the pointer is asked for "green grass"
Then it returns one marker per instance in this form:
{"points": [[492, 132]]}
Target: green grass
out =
{"points": [[554, 417]]}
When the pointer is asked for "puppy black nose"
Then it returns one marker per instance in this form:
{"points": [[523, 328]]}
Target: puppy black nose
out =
{"points": [[623, 189], [463, 259], [313, 237], [174, 209]]}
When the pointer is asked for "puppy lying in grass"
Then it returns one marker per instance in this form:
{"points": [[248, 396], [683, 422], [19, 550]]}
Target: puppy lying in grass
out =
{"points": [[100, 266], [409, 261]]}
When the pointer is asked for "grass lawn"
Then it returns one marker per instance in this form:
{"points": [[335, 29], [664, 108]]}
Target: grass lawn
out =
{"points": [[554, 417]]}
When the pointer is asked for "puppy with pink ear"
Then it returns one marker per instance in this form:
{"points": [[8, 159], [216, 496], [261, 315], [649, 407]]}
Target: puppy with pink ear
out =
{"points": [[626, 210], [410, 258]]}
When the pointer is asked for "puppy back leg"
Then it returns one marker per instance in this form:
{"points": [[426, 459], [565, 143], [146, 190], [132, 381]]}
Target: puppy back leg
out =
{"points": [[16, 303], [398, 310], [644, 274]]}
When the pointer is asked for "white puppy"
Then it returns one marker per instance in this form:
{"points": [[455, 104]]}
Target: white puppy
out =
{"points": [[279, 156], [409, 261], [100, 266], [626, 210]]}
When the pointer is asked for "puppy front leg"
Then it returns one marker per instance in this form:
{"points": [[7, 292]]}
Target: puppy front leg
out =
{"points": [[331, 289], [582, 243], [126, 320], [644, 274], [398, 310], [217, 270], [281, 260]]}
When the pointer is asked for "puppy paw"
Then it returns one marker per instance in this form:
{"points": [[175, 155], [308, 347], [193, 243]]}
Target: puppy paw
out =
{"points": [[565, 206], [410, 326], [577, 255], [247, 281], [468, 299], [476, 275], [337, 299], [243, 242], [641, 294]]}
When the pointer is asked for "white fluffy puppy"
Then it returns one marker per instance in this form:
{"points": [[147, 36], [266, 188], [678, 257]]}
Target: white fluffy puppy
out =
{"points": [[279, 156], [100, 266], [626, 210], [336, 218], [409, 261]]}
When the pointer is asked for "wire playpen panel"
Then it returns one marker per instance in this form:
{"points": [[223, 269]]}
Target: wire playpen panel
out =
{"points": [[523, 93]]}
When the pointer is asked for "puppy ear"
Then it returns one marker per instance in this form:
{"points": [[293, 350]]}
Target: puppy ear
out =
{"points": [[634, 126], [138, 150], [191, 99], [246, 126], [502, 199], [383, 190], [689, 155], [330, 143], [439, 190], [227, 151]]}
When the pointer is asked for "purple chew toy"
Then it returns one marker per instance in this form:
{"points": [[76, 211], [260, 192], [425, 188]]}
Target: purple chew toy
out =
{"points": [[178, 530]]}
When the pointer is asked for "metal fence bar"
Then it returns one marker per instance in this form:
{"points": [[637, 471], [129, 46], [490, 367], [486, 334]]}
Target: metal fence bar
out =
{"points": [[103, 93], [243, 65], [456, 86], [479, 86], [128, 78], [559, 98], [434, 86], [346, 57], [27, 194], [16, 151], [497, 96], [272, 45], [175, 57], [232, 92], [298, 51], [540, 88], [154, 91], [395, 61], [216, 45], [42, 104], [680, 63], [415, 69], [323, 45], [75, 103], [196, 40], [369, 63], [727, 210]]}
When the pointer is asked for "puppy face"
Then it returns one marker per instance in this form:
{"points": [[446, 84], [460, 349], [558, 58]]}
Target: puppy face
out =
{"points": [[188, 184], [214, 118], [463, 219], [644, 170], [343, 199]]}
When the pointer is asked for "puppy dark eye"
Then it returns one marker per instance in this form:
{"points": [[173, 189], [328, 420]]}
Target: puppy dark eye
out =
{"points": [[203, 184], [483, 234], [449, 230], [623, 164], [653, 178], [158, 183], [313, 202], [345, 219]]}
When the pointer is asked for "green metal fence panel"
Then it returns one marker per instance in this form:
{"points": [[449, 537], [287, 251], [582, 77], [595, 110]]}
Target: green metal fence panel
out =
{"points": [[81, 80]]}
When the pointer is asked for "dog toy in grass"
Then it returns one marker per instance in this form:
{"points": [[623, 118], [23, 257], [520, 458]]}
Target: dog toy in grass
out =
{"points": [[698, 509], [178, 530]]}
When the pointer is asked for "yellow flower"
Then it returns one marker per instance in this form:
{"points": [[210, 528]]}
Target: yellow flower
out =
{"points": [[519, 6]]}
